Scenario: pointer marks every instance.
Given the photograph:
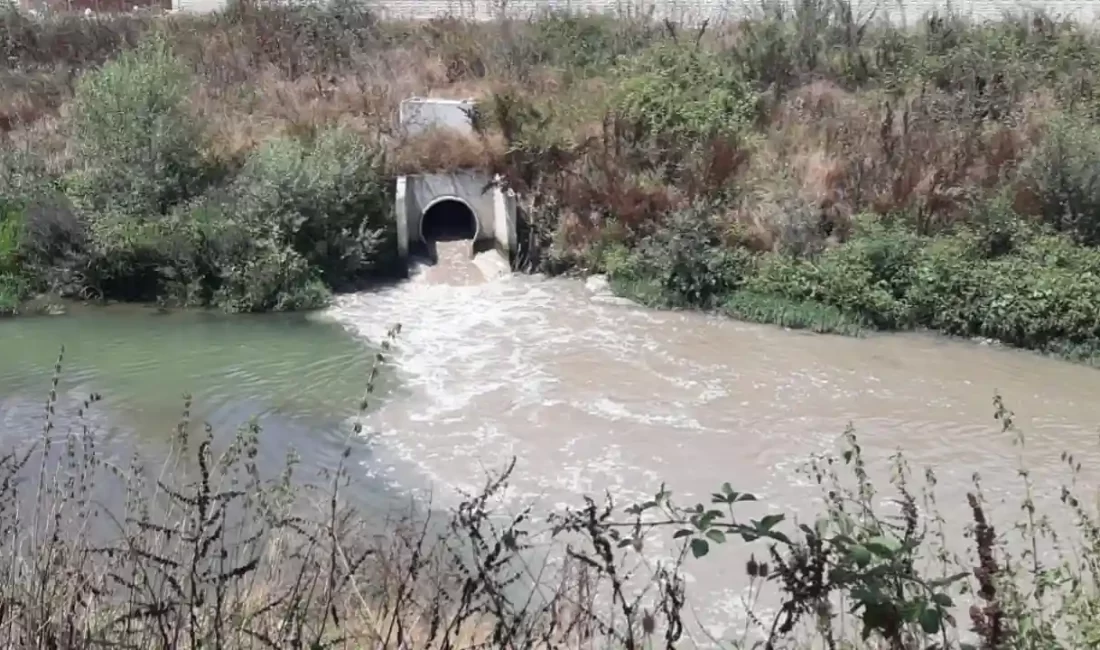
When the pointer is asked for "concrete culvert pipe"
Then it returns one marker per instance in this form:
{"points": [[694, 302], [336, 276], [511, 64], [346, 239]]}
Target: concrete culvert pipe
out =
{"points": [[448, 219]]}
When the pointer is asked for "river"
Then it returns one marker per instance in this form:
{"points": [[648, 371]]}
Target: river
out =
{"points": [[300, 378], [588, 393]]}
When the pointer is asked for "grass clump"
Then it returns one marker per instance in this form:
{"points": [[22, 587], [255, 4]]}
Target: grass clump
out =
{"points": [[14, 287], [794, 314]]}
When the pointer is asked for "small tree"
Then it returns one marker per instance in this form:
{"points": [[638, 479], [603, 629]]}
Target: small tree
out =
{"points": [[138, 151]]}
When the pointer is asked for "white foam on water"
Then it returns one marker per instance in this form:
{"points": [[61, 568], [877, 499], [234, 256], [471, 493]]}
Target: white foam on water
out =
{"points": [[593, 397]]}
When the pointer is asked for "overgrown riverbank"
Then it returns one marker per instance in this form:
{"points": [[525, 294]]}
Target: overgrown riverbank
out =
{"points": [[806, 167], [1014, 283]]}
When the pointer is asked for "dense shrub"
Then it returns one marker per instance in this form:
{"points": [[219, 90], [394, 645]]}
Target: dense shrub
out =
{"points": [[11, 284], [150, 219], [327, 199], [138, 152], [687, 263], [1064, 171], [1011, 281], [1042, 296], [21, 189], [270, 279], [868, 277], [54, 244], [301, 216], [587, 44], [682, 94]]}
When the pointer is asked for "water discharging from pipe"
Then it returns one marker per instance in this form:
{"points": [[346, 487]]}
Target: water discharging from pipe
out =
{"points": [[592, 396]]}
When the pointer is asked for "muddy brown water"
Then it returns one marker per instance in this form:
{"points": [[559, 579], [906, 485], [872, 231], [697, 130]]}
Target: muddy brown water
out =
{"points": [[589, 393]]}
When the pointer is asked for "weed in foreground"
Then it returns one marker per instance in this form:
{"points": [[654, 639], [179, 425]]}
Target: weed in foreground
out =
{"points": [[205, 550]]}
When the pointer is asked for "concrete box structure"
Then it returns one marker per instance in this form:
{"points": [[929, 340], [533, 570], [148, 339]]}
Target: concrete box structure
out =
{"points": [[492, 207], [418, 114]]}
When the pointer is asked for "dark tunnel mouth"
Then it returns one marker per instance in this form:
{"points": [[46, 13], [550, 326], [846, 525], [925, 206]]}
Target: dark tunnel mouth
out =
{"points": [[448, 220]]}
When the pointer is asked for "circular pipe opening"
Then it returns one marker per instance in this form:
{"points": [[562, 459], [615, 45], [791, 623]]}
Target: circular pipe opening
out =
{"points": [[448, 219]]}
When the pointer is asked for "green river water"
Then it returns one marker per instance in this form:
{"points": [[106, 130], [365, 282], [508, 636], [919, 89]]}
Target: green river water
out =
{"points": [[301, 378]]}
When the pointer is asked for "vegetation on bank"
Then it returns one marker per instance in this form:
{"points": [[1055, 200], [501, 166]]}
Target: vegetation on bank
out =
{"points": [[1015, 282], [207, 550], [808, 166]]}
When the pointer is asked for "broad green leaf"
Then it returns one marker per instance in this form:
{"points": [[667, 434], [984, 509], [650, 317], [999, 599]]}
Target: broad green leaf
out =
{"points": [[943, 600], [860, 555], [769, 522], [865, 597], [717, 536], [884, 547], [930, 620], [699, 547]]}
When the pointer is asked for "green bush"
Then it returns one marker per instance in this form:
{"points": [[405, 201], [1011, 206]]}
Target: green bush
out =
{"points": [[327, 199], [137, 151], [14, 286], [685, 263], [11, 225], [868, 277], [220, 259], [1043, 296], [150, 224], [11, 288], [1065, 174], [271, 280], [584, 43], [683, 94], [45, 240], [12, 292], [301, 216]]}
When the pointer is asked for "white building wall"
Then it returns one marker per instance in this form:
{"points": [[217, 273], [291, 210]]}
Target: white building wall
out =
{"points": [[688, 10], [198, 6]]}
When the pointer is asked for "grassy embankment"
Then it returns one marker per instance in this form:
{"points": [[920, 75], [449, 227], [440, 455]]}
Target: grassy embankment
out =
{"points": [[803, 168]]}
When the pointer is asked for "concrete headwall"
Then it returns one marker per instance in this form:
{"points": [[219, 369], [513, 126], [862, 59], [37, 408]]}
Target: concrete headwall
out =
{"points": [[901, 11], [493, 208], [424, 190]]}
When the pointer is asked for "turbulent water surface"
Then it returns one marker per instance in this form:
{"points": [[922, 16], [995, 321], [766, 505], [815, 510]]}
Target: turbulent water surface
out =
{"points": [[586, 392], [590, 394]]}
